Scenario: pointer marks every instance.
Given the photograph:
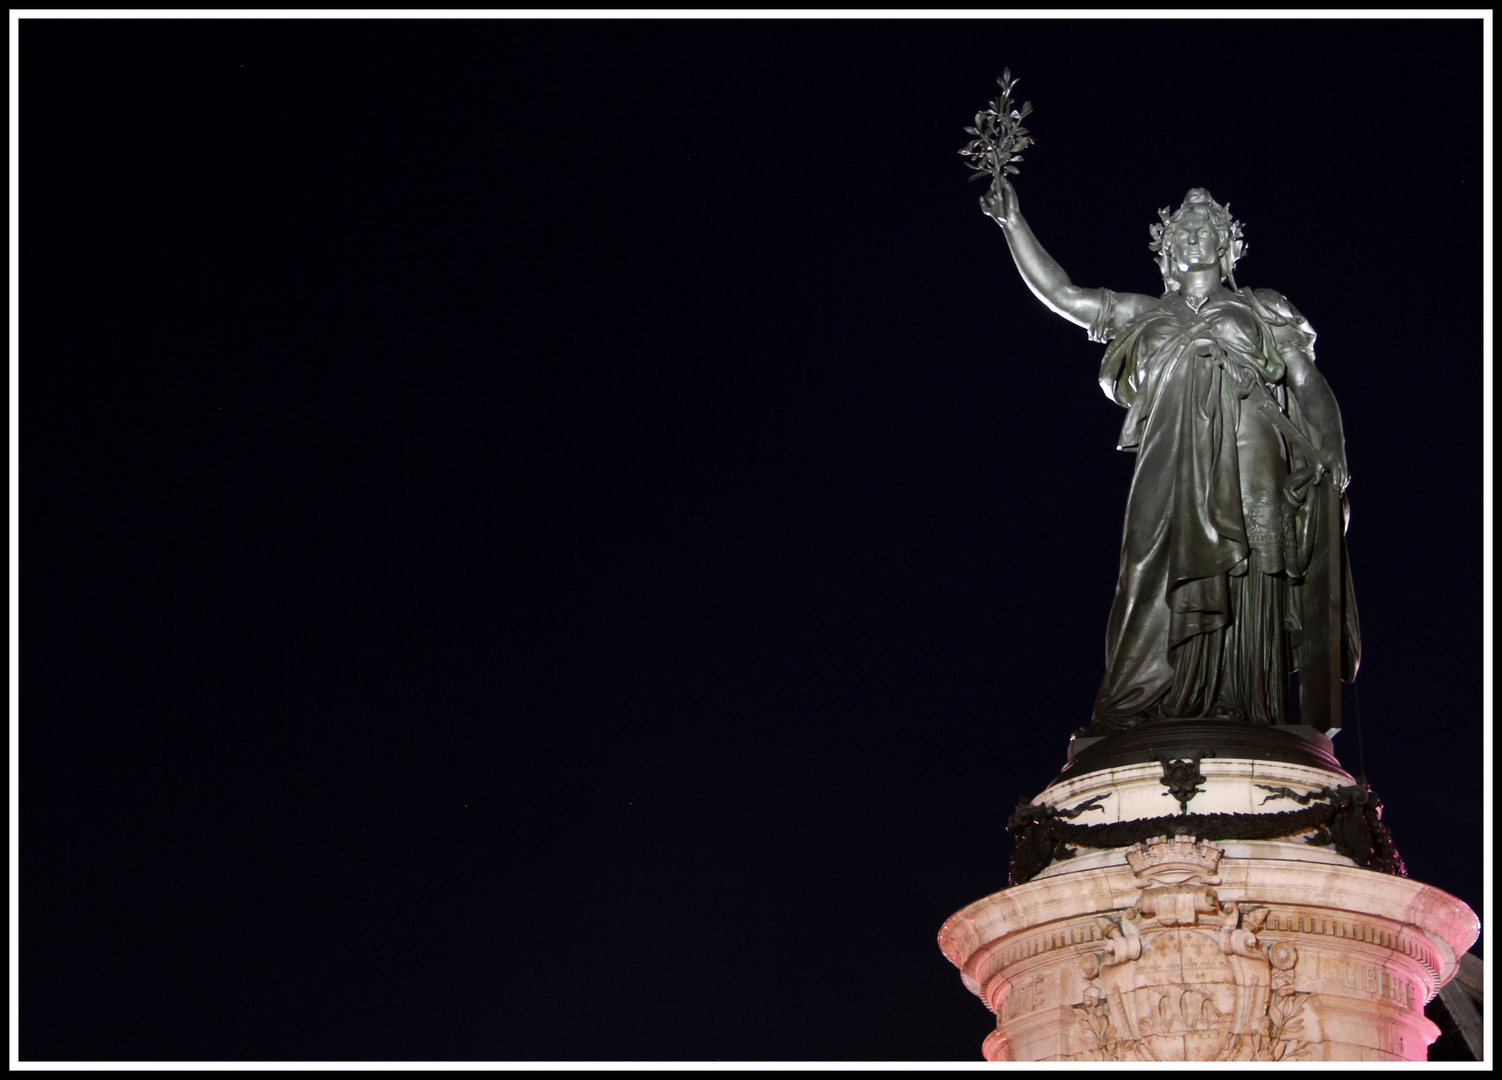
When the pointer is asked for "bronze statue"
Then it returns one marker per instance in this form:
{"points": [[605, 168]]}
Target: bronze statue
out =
{"points": [[1237, 435]]}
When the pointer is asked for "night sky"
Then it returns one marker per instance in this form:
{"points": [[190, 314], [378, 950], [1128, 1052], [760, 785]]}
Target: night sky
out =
{"points": [[566, 540]]}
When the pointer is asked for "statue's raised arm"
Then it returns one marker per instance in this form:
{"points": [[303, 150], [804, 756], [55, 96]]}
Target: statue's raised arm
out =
{"points": [[1099, 311]]}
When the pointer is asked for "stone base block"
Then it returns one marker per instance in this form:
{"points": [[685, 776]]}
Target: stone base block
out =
{"points": [[1178, 949]]}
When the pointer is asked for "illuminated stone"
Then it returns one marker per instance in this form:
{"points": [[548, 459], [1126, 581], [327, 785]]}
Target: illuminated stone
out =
{"points": [[1177, 950]]}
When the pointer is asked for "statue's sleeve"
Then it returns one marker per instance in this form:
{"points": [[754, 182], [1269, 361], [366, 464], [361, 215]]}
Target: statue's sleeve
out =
{"points": [[1290, 329], [1100, 328]]}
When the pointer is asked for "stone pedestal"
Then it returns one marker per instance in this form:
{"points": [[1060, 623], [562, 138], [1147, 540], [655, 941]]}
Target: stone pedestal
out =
{"points": [[1178, 949]]}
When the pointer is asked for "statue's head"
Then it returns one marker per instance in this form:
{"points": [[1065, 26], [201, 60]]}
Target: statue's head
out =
{"points": [[1198, 209]]}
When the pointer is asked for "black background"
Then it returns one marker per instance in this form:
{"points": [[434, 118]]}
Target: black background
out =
{"points": [[565, 540]]}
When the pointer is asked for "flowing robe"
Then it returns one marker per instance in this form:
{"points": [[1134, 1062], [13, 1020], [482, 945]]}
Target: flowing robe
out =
{"points": [[1219, 529]]}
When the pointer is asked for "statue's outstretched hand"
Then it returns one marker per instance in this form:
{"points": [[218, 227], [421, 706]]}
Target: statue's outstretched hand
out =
{"points": [[1000, 202]]}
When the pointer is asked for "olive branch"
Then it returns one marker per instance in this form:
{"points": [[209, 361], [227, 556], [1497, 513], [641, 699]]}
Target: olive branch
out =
{"points": [[1000, 137]]}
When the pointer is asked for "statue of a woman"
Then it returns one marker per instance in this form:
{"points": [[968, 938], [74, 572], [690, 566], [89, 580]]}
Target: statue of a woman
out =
{"points": [[1233, 427]]}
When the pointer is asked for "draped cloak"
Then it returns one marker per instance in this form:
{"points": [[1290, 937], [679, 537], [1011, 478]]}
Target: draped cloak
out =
{"points": [[1220, 527]]}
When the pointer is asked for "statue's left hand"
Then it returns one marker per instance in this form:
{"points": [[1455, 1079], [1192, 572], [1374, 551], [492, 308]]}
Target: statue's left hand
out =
{"points": [[1335, 465]]}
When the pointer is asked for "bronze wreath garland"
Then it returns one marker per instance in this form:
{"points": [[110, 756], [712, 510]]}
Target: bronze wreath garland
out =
{"points": [[1348, 819]]}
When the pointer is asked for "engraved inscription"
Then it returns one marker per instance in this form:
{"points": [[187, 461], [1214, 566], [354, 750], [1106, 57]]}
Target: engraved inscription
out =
{"points": [[1378, 982], [1024, 997]]}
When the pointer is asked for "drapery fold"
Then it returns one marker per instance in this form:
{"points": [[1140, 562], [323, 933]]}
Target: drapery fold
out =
{"points": [[1206, 617]]}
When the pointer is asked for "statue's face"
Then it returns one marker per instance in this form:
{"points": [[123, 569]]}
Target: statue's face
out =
{"points": [[1196, 243]]}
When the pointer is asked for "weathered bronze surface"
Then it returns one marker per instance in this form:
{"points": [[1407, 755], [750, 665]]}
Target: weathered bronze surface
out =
{"points": [[1347, 818], [1233, 570], [1182, 778], [1295, 744]]}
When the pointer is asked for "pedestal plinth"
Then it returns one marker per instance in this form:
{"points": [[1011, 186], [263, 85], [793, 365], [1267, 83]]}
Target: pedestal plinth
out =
{"points": [[1177, 948]]}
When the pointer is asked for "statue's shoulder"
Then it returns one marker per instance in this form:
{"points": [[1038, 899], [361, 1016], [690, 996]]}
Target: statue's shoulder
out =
{"points": [[1279, 307], [1285, 319]]}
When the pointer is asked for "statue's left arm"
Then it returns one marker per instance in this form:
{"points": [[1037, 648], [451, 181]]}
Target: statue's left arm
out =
{"points": [[1294, 339]]}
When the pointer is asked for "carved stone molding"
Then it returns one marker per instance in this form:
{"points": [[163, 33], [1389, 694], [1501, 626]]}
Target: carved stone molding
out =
{"points": [[1176, 860], [1218, 935], [1176, 875], [1194, 995], [1294, 962]]}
